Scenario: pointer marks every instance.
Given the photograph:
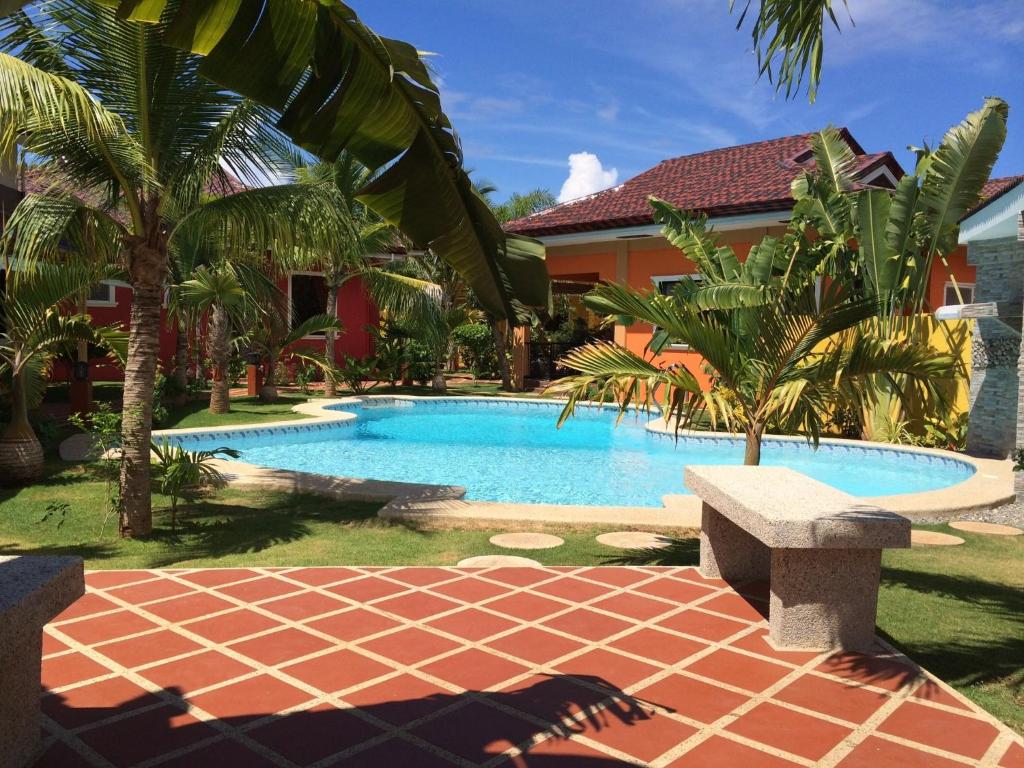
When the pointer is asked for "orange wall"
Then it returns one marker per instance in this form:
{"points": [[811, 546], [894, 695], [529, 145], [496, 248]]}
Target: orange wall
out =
{"points": [[654, 257], [962, 271], [644, 260]]}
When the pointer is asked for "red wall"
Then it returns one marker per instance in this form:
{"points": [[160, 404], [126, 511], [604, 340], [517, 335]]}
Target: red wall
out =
{"points": [[355, 310]]}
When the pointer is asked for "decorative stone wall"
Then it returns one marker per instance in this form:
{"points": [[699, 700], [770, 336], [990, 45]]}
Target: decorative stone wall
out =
{"points": [[996, 397]]}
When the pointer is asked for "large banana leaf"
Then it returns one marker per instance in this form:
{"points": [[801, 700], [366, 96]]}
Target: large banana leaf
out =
{"points": [[338, 85]]}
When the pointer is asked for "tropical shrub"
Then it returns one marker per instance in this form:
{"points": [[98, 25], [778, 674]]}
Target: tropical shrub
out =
{"points": [[474, 343], [786, 351], [181, 472], [359, 374]]}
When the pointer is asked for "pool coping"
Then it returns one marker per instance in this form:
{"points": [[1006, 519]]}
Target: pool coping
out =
{"points": [[990, 486]]}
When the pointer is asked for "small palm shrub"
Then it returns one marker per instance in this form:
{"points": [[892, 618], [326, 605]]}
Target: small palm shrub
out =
{"points": [[180, 472]]}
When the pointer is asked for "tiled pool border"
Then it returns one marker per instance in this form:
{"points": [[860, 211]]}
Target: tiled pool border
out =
{"points": [[990, 485]]}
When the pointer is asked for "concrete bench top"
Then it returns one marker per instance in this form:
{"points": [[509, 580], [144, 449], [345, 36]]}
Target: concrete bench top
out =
{"points": [[33, 590], [785, 509]]}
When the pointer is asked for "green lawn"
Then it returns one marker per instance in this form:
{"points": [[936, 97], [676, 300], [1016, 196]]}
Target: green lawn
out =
{"points": [[959, 611], [244, 410]]}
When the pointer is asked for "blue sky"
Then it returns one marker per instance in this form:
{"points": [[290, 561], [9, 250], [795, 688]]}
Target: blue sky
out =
{"points": [[530, 82]]}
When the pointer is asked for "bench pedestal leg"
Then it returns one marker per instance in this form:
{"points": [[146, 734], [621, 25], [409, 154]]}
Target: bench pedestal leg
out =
{"points": [[729, 552], [824, 598], [19, 701]]}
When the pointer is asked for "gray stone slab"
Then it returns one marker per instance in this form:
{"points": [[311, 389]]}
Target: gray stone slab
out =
{"points": [[32, 591], [783, 508]]}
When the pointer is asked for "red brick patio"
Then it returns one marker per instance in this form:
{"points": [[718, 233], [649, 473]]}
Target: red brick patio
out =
{"points": [[517, 667]]}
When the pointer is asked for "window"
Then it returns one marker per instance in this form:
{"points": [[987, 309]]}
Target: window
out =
{"points": [[665, 285], [966, 290], [308, 293], [101, 295]]}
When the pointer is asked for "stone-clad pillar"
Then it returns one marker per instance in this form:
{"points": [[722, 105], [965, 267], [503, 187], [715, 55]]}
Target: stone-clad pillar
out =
{"points": [[995, 350]]}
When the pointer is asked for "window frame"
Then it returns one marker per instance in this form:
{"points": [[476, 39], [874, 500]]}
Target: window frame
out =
{"points": [[110, 301], [948, 286], [657, 280]]}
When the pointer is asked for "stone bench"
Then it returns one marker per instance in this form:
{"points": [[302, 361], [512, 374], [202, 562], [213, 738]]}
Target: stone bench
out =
{"points": [[820, 548], [32, 591]]}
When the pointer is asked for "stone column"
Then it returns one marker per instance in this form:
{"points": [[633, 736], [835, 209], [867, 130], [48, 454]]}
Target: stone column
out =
{"points": [[824, 598], [729, 552], [994, 430]]}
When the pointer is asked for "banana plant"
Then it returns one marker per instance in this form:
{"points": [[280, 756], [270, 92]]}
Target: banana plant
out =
{"points": [[888, 242]]}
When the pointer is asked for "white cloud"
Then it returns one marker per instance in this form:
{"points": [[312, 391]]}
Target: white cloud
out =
{"points": [[586, 176]]}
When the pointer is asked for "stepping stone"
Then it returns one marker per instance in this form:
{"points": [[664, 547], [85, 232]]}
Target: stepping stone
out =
{"points": [[527, 541], [993, 529], [933, 539], [634, 540], [493, 561]]}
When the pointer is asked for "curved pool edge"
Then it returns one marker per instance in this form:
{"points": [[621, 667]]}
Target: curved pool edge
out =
{"points": [[991, 484]]}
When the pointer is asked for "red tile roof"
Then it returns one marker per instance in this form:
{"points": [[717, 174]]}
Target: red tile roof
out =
{"points": [[750, 178], [993, 189]]}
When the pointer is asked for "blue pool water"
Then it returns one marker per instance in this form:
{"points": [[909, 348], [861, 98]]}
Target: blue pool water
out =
{"points": [[508, 451]]}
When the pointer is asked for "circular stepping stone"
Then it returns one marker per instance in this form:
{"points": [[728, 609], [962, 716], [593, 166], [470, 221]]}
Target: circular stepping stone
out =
{"points": [[527, 541], [993, 529], [634, 540], [492, 561], [933, 539]]}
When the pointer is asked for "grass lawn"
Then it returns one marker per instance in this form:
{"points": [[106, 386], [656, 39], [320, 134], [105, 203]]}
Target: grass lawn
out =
{"points": [[244, 410], [959, 611]]}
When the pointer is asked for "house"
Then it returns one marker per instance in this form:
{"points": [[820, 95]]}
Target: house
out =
{"points": [[993, 234], [745, 192], [109, 302]]}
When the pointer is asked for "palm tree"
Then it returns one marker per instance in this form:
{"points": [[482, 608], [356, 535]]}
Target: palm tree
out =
{"points": [[516, 207], [225, 293], [114, 110], [781, 355], [338, 85], [789, 38], [520, 205], [36, 325], [275, 334], [363, 235]]}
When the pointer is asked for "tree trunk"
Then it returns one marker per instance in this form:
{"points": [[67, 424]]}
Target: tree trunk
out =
{"points": [[501, 348], [438, 384], [21, 454], [147, 269], [180, 373], [268, 392], [330, 383], [220, 333], [752, 454]]}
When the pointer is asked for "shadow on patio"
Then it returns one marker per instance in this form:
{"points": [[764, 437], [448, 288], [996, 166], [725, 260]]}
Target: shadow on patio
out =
{"points": [[473, 726]]}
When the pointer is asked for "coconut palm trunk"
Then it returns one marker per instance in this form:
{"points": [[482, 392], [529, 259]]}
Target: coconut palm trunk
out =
{"points": [[21, 453], [501, 349], [220, 338], [148, 268], [752, 450], [330, 383], [180, 373], [438, 384]]}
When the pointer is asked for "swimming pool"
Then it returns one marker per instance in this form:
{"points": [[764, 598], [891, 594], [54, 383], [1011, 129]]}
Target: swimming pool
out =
{"points": [[510, 451]]}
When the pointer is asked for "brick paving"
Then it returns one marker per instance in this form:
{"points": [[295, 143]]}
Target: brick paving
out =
{"points": [[441, 667]]}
